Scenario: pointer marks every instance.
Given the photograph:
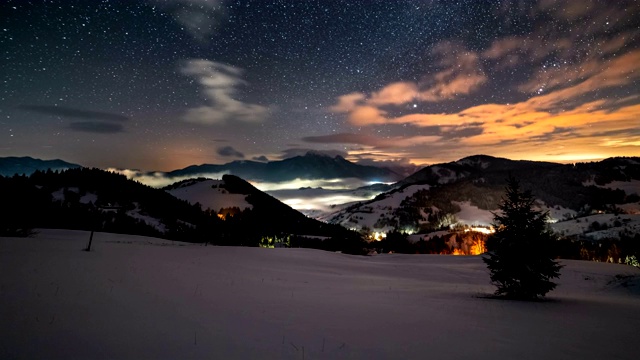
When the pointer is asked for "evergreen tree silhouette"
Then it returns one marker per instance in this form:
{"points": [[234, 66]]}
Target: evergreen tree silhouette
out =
{"points": [[520, 251]]}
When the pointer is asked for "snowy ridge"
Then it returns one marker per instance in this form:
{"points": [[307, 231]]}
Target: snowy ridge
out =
{"points": [[211, 194]]}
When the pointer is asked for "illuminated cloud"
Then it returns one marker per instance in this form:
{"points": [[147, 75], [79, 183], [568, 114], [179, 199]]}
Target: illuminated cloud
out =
{"points": [[219, 83], [563, 109], [461, 74]]}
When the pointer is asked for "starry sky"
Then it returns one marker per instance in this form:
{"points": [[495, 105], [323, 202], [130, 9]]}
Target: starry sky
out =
{"points": [[163, 84]]}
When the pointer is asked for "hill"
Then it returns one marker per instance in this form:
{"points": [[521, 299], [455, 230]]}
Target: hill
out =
{"points": [[26, 165], [467, 190], [249, 211]]}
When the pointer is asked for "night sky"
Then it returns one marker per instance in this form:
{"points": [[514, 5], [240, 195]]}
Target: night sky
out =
{"points": [[159, 85]]}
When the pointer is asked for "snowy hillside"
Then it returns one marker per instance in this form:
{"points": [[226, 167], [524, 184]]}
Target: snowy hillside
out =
{"points": [[210, 194], [372, 214], [135, 297], [466, 192]]}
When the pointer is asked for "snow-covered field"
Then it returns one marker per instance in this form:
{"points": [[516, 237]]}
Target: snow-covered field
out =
{"points": [[142, 298]]}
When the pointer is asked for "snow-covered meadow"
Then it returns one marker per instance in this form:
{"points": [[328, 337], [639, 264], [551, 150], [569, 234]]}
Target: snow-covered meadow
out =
{"points": [[136, 297]]}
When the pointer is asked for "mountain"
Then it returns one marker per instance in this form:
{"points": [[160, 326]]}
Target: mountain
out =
{"points": [[10, 166], [309, 166], [468, 190]]}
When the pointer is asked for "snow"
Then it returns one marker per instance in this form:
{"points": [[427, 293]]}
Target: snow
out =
{"points": [[629, 187], [149, 220], [445, 175], [134, 297], [210, 195], [473, 215], [368, 214], [87, 198], [474, 162], [556, 213], [629, 223], [630, 208]]}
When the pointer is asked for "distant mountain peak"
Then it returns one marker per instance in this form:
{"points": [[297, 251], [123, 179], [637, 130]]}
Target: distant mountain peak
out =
{"points": [[319, 154]]}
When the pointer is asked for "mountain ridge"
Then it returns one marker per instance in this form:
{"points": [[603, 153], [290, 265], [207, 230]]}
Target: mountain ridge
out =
{"points": [[309, 166], [27, 165]]}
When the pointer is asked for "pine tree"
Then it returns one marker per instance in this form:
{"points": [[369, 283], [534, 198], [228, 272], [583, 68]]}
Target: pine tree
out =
{"points": [[520, 251]]}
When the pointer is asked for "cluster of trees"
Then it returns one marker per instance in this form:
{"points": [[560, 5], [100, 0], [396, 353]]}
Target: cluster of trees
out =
{"points": [[456, 241], [614, 250], [93, 199]]}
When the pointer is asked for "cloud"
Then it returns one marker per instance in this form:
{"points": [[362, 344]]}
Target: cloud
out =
{"points": [[74, 113], [460, 74], [96, 121], [347, 103], [395, 94], [219, 83], [229, 151], [260, 158], [372, 141], [347, 138], [573, 112], [199, 18], [96, 127], [159, 179], [402, 166], [558, 91], [581, 31]]}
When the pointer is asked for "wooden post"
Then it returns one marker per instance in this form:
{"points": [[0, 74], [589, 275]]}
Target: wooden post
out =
{"points": [[90, 240]]}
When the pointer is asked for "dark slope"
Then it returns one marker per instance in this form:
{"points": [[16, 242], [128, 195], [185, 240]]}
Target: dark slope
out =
{"points": [[273, 216]]}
